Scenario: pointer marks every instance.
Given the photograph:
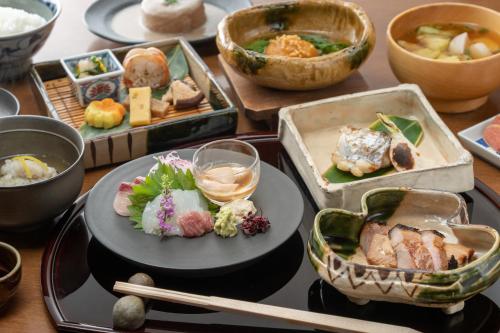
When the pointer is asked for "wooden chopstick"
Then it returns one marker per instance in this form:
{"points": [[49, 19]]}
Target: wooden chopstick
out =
{"points": [[310, 319]]}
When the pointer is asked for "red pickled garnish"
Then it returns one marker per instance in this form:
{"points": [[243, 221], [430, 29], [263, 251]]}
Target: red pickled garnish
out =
{"points": [[253, 224]]}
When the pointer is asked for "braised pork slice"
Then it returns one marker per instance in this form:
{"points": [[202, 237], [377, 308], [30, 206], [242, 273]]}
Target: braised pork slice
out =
{"points": [[457, 255], [376, 245], [434, 242], [410, 252]]}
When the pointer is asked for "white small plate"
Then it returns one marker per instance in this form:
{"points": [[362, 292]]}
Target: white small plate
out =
{"points": [[472, 138]]}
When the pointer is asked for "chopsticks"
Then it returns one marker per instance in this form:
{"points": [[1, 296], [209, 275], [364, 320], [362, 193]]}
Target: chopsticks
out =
{"points": [[310, 319]]}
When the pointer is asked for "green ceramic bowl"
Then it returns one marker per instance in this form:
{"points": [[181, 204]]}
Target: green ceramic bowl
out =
{"points": [[335, 238], [335, 19], [10, 272]]}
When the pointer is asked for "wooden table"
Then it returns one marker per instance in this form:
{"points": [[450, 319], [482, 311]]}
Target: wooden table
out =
{"points": [[26, 312]]}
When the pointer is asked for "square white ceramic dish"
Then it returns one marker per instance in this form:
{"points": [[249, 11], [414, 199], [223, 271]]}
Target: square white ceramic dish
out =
{"points": [[472, 138], [309, 133]]}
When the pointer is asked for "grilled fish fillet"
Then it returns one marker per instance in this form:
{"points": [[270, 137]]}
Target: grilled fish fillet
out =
{"points": [[376, 245], [457, 255], [361, 151]]}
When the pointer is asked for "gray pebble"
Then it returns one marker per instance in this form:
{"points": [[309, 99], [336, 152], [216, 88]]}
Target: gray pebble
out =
{"points": [[129, 313]]}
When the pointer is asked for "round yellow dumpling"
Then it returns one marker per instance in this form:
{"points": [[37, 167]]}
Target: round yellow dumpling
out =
{"points": [[291, 46], [104, 114]]}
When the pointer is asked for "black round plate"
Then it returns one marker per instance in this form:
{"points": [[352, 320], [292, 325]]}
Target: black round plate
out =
{"points": [[100, 14], [276, 196]]}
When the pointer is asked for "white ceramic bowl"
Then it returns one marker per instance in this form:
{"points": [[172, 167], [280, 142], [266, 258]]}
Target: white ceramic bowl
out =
{"points": [[17, 50]]}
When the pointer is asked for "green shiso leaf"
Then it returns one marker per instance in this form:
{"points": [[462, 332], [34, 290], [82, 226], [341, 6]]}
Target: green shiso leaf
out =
{"points": [[154, 185], [323, 44], [410, 128], [178, 68], [258, 45]]}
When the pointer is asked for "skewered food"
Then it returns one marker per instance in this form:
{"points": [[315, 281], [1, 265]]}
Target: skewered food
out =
{"points": [[361, 151], [145, 68], [24, 170], [104, 114], [172, 16]]}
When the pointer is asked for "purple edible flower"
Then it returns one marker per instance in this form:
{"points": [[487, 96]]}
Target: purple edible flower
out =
{"points": [[167, 210]]}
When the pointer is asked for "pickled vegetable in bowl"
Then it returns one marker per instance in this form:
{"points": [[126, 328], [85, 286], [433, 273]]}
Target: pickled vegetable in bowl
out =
{"points": [[451, 41]]}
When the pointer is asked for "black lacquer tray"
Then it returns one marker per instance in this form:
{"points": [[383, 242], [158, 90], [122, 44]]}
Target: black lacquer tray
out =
{"points": [[78, 274]]}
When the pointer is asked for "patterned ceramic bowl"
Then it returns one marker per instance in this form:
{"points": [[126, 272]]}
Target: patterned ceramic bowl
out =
{"points": [[17, 50], [336, 20], [95, 87], [335, 254]]}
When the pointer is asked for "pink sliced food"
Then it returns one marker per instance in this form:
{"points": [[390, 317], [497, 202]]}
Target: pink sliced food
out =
{"points": [[433, 241], [376, 245], [121, 201], [195, 224], [491, 135], [410, 252]]}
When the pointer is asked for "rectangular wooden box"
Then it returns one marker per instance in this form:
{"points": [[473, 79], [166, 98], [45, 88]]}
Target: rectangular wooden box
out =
{"points": [[216, 115]]}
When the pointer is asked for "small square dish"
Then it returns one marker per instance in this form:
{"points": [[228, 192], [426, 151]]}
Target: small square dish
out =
{"points": [[310, 133], [473, 139], [94, 75]]}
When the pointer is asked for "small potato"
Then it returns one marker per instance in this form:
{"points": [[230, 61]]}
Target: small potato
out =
{"points": [[129, 313], [142, 279]]}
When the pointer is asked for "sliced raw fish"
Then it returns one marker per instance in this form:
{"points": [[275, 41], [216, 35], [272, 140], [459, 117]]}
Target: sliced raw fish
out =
{"points": [[457, 255], [434, 243], [361, 151], [195, 224], [491, 135], [121, 201], [410, 252]]}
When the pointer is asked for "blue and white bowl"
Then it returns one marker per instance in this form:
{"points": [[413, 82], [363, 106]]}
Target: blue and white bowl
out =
{"points": [[95, 87], [17, 50]]}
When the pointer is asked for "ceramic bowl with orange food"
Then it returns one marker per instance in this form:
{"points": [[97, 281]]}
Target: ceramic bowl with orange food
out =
{"points": [[451, 50], [297, 45]]}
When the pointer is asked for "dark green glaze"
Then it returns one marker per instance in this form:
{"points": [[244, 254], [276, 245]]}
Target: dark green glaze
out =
{"points": [[359, 54], [341, 231], [277, 16], [248, 62], [382, 205]]}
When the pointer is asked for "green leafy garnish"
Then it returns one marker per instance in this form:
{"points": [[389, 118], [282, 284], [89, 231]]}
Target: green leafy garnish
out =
{"points": [[170, 2], [258, 45], [411, 129], [323, 45], [153, 186]]}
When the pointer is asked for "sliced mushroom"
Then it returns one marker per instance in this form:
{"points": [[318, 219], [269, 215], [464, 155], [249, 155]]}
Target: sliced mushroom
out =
{"points": [[185, 95]]}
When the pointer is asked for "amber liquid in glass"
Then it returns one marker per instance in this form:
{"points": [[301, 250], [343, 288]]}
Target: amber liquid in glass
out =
{"points": [[226, 182]]}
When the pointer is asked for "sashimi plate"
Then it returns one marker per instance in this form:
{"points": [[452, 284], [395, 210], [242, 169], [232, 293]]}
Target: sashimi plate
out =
{"points": [[276, 196]]}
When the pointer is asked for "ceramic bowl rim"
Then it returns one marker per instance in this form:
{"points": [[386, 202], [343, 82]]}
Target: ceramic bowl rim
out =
{"points": [[316, 232], [17, 266], [14, 98], [119, 71], [400, 16], [40, 28], [62, 173], [356, 9]]}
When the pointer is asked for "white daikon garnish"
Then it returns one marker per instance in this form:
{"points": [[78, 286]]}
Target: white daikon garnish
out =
{"points": [[458, 43]]}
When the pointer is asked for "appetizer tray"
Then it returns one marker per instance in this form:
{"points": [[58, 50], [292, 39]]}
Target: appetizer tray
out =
{"points": [[78, 274], [215, 115]]}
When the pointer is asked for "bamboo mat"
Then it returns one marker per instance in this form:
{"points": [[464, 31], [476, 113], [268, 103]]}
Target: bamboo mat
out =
{"points": [[60, 92]]}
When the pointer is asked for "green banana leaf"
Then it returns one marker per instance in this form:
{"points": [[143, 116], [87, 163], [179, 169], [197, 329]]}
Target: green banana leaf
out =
{"points": [[178, 68], [410, 128]]}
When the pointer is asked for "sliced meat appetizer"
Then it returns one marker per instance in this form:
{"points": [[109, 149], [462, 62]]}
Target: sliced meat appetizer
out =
{"points": [[434, 242], [410, 252], [457, 255]]}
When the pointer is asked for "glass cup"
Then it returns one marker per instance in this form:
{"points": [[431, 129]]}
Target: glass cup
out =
{"points": [[226, 170]]}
